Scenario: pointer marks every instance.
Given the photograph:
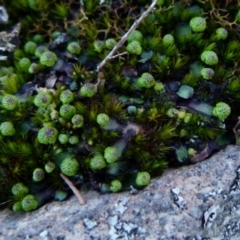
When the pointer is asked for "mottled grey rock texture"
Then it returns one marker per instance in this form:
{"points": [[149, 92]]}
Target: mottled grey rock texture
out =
{"points": [[195, 202]]}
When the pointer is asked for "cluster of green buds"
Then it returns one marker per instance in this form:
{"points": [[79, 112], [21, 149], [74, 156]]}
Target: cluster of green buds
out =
{"points": [[181, 115], [19, 190], [134, 42], [40, 50], [29, 203], [25, 201], [109, 44]]}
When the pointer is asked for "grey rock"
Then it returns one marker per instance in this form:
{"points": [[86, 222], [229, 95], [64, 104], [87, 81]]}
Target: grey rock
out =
{"points": [[210, 190]]}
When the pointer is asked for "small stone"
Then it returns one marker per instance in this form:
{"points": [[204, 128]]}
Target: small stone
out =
{"points": [[89, 224], [112, 220]]}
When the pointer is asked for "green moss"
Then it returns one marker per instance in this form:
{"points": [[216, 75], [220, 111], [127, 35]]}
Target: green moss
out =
{"points": [[120, 125]]}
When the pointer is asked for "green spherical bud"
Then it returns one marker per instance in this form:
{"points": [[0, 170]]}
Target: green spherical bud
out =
{"points": [[17, 207], [47, 135], [221, 33], [29, 203], [49, 167], [181, 114], [69, 166], [238, 16], [9, 102], [40, 50], [110, 43], [172, 112], [159, 87], [99, 45], [111, 154], [187, 118], [221, 110], [63, 138], [7, 129], [135, 36], [207, 73], [55, 34], [191, 152], [30, 47], [143, 179], [116, 185], [37, 5], [19, 190], [160, 2], [38, 38], [67, 111], [38, 175], [168, 40], [97, 162], [88, 90], [209, 57], [134, 47], [66, 96], [74, 48], [48, 59], [18, 54], [24, 64], [146, 81], [77, 120], [34, 68], [73, 140], [198, 24], [103, 119], [42, 99]]}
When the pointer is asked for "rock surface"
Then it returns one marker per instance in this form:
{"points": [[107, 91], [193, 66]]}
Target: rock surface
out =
{"points": [[193, 202]]}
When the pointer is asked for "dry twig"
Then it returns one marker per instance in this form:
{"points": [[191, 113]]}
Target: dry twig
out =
{"points": [[74, 189]]}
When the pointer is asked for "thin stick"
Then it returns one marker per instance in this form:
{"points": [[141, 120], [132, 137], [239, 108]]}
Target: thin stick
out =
{"points": [[125, 36], [74, 189]]}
